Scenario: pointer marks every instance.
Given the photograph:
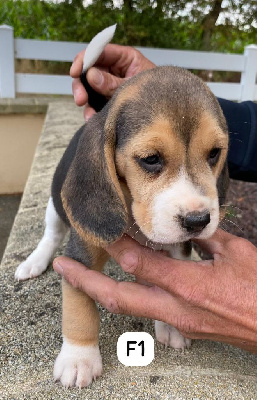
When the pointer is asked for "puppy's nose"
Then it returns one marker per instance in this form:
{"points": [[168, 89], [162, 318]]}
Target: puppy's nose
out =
{"points": [[195, 221]]}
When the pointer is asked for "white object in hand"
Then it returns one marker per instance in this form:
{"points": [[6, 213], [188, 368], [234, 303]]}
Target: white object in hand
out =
{"points": [[96, 46]]}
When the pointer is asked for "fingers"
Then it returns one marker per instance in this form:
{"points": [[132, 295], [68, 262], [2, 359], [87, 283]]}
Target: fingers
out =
{"points": [[115, 64], [123, 61], [216, 243], [103, 82], [88, 112], [79, 92], [77, 65], [118, 297], [154, 267]]}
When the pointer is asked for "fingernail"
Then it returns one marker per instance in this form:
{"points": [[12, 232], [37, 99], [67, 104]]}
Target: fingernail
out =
{"points": [[97, 78], [57, 267]]}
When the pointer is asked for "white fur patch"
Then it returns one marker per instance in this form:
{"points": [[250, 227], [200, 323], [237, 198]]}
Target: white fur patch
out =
{"points": [[77, 365], [40, 258], [179, 199], [170, 336]]}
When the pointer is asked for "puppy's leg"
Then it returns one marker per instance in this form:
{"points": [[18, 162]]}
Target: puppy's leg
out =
{"points": [[79, 361], [170, 336], [40, 258], [165, 333]]}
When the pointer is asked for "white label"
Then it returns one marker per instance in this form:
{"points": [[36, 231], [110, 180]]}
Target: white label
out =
{"points": [[135, 349]]}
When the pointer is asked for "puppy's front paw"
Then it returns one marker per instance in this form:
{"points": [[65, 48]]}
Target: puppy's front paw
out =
{"points": [[170, 336], [77, 365], [30, 268]]}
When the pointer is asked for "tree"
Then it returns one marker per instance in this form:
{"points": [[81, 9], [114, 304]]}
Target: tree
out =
{"points": [[208, 24], [217, 25]]}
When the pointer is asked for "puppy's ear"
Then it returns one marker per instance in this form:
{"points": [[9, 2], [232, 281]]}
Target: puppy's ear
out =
{"points": [[91, 194], [223, 184]]}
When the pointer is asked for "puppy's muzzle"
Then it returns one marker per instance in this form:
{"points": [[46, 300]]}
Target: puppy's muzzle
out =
{"points": [[195, 221]]}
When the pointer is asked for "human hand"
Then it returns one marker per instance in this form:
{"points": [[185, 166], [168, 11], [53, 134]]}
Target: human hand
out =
{"points": [[214, 299], [113, 67]]}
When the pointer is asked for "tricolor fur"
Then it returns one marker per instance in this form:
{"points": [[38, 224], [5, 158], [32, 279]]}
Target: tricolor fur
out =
{"points": [[152, 163]]}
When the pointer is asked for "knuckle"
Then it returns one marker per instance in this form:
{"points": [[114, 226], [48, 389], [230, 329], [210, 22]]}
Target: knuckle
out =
{"points": [[191, 295], [114, 301], [186, 325], [75, 281], [131, 48], [195, 294], [136, 52], [109, 83], [239, 245], [113, 304]]}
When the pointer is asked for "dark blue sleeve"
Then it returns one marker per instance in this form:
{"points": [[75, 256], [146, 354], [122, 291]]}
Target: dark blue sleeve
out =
{"points": [[242, 125]]}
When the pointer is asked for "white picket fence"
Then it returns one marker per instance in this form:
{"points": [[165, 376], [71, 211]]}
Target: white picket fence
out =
{"points": [[12, 83]]}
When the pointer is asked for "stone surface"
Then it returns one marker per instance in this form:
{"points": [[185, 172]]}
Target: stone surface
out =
{"points": [[30, 329], [9, 205], [29, 105]]}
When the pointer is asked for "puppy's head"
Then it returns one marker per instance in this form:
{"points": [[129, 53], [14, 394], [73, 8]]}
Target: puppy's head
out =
{"points": [[172, 143], [164, 136]]}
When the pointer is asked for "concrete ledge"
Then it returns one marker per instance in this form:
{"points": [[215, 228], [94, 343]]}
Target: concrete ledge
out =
{"points": [[31, 317], [29, 105]]}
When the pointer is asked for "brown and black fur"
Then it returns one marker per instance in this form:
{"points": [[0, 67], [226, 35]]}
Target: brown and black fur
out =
{"points": [[93, 186], [86, 190]]}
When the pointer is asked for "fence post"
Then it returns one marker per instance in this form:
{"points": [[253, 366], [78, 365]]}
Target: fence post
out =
{"points": [[7, 71], [248, 78]]}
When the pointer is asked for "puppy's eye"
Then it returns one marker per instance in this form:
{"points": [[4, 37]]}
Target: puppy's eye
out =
{"points": [[152, 163], [214, 156], [151, 160]]}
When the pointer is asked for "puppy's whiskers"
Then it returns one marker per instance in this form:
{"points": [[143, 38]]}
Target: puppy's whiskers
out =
{"points": [[131, 226], [148, 242], [233, 223], [221, 226], [230, 206], [139, 229]]}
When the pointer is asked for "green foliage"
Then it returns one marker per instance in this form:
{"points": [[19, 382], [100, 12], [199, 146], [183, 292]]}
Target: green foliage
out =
{"points": [[155, 23]]}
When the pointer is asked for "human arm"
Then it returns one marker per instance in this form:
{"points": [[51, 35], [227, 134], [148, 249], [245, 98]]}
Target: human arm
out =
{"points": [[214, 299], [242, 126]]}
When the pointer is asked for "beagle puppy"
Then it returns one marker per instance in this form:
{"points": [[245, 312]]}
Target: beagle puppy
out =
{"points": [[152, 163]]}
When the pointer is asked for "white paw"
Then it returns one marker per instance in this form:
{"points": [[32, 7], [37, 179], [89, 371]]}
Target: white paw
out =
{"points": [[77, 365], [170, 336], [30, 268]]}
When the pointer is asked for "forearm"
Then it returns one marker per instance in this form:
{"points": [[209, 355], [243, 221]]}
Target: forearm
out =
{"points": [[242, 125]]}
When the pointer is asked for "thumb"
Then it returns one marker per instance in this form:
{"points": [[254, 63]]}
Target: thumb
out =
{"points": [[103, 82]]}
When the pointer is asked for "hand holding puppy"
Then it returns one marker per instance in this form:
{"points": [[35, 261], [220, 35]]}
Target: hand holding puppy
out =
{"points": [[214, 299]]}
